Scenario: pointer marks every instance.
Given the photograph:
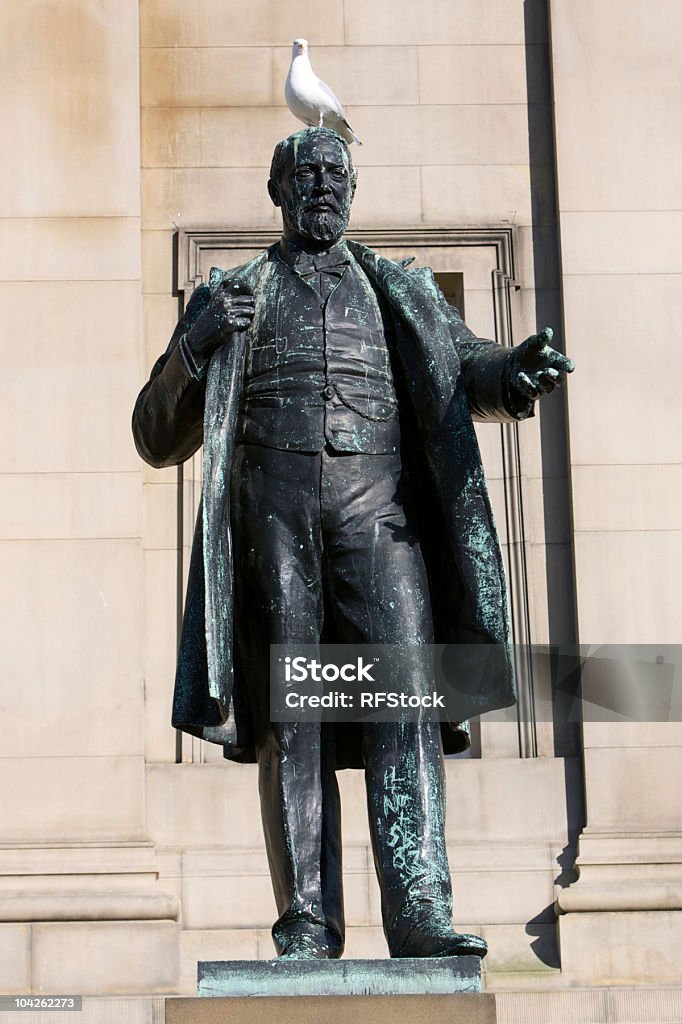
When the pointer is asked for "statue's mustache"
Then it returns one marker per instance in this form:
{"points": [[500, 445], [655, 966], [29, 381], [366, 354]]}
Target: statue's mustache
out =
{"points": [[322, 206]]}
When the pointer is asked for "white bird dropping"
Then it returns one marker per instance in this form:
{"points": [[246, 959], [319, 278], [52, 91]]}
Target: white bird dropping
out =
{"points": [[310, 100]]}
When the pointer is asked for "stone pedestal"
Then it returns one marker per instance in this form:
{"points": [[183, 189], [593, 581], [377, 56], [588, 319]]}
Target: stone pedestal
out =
{"points": [[330, 978], [424, 991], [461, 1008]]}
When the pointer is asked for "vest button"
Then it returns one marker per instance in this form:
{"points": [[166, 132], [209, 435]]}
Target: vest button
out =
{"points": [[328, 392]]}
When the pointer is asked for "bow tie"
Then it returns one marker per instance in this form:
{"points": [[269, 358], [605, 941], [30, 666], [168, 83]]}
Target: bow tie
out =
{"points": [[330, 262]]}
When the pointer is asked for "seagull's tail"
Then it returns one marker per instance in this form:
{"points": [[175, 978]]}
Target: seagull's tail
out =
{"points": [[349, 135]]}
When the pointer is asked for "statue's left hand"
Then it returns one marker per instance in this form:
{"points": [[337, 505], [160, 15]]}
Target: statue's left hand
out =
{"points": [[536, 367]]}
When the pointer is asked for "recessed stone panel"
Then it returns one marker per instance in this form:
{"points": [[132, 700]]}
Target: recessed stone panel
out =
{"points": [[620, 242], [69, 104], [203, 804], [386, 197], [477, 74], [359, 75], [622, 949], [157, 262], [116, 957], [506, 798], [260, 23], [634, 157], [72, 249], [70, 658], [434, 22], [15, 961], [161, 313], [160, 646], [638, 420], [632, 734], [173, 198], [619, 787], [441, 135], [625, 498], [234, 137], [206, 76], [646, 610], [476, 195], [69, 506], [72, 799], [73, 378]]}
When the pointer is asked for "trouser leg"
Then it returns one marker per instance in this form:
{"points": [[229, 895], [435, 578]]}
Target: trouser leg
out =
{"points": [[380, 594], [406, 805], [301, 823], [278, 588]]}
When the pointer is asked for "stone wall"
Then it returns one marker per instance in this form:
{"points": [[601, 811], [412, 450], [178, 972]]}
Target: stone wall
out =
{"points": [[126, 120]]}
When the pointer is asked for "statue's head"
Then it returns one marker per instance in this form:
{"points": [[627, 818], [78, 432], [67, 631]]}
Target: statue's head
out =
{"points": [[313, 179]]}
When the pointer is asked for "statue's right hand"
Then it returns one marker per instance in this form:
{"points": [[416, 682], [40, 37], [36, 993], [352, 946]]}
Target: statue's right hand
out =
{"points": [[230, 310]]}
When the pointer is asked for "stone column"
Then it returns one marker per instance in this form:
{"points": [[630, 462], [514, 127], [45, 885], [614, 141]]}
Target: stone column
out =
{"points": [[616, 87], [75, 866]]}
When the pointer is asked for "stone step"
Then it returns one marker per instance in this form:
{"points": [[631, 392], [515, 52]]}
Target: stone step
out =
{"points": [[642, 1005], [434, 1009], [616, 1005]]}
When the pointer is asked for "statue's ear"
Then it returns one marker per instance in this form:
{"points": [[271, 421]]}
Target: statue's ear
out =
{"points": [[273, 192]]}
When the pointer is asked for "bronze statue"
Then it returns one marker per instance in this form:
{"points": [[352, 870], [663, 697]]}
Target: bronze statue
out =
{"points": [[343, 499]]}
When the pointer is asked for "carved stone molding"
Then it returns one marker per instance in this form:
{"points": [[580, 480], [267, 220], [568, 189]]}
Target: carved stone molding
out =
{"points": [[196, 243], [199, 248]]}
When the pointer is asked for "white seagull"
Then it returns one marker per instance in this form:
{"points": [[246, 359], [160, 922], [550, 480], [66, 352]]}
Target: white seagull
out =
{"points": [[309, 99]]}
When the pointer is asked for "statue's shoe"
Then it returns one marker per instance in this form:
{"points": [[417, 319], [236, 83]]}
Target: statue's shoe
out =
{"points": [[428, 932], [426, 944], [308, 947]]}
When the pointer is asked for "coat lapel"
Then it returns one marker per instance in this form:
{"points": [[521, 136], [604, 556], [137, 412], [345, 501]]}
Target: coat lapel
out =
{"points": [[220, 418]]}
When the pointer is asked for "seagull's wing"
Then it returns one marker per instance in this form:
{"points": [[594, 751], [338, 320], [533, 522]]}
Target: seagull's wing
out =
{"points": [[340, 125], [331, 96]]}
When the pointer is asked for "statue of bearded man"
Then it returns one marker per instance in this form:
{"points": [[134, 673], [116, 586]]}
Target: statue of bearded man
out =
{"points": [[343, 499]]}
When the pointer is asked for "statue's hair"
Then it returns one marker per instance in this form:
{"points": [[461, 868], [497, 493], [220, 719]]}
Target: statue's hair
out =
{"points": [[286, 149]]}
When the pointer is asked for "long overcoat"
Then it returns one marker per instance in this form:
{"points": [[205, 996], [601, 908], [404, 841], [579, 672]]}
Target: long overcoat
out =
{"points": [[449, 376]]}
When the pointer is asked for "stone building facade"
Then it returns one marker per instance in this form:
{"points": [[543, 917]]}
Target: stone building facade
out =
{"points": [[527, 150]]}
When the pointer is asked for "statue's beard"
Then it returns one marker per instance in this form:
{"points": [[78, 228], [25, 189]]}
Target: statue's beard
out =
{"points": [[318, 225]]}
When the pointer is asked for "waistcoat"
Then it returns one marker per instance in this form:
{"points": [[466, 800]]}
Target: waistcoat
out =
{"points": [[318, 368]]}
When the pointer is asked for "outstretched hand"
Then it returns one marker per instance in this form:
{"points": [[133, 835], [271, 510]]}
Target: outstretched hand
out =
{"points": [[536, 367]]}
